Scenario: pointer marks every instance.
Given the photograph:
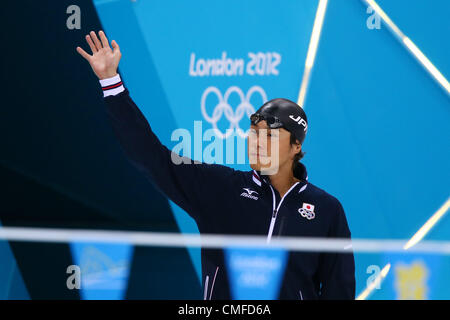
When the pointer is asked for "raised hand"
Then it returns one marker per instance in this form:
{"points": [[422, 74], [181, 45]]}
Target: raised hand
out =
{"points": [[104, 60]]}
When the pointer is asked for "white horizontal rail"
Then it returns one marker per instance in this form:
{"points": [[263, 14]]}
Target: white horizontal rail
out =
{"points": [[161, 239]]}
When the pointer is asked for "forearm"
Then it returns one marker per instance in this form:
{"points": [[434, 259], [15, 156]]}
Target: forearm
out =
{"points": [[137, 139], [144, 150], [179, 178]]}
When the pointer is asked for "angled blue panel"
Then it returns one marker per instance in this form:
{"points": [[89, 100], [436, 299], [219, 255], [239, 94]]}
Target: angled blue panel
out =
{"points": [[11, 282], [426, 24]]}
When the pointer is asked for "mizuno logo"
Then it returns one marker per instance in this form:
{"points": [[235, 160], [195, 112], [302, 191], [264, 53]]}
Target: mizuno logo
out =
{"points": [[248, 193], [300, 121]]}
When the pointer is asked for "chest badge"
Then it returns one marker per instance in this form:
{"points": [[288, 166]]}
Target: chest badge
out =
{"points": [[307, 211], [249, 193]]}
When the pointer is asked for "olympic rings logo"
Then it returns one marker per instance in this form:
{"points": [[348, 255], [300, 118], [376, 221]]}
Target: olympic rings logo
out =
{"points": [[305, 213], [224, 108]]}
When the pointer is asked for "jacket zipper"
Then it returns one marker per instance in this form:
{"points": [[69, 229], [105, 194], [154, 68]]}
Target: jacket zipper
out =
{"points": [[276, 210], [205, 292], [212, 285]]}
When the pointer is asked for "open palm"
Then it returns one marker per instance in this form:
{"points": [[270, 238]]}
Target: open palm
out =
{"points": [[104, 60]]}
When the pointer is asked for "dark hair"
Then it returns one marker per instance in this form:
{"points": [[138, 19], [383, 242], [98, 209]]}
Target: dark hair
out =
{"points": [[299, 155]]}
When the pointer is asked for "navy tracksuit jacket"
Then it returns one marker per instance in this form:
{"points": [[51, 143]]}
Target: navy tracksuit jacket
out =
{"points": [[223, 200]]}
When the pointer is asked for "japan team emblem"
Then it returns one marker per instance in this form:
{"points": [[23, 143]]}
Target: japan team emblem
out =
{"points": [[307, 211]]}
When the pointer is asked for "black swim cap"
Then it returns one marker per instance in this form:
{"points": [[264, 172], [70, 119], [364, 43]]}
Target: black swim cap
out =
{"points": [[283, 113]]}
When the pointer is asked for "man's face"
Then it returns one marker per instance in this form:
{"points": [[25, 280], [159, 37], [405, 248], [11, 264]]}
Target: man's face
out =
{"points": [[269, 149]]}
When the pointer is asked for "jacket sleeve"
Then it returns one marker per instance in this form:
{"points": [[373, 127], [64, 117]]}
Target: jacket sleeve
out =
{"points": [[189, 184], [337, 270]]}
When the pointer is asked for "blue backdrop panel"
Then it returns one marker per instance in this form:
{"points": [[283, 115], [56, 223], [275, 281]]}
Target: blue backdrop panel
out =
{"points": [[378, 124], [162, 42], [379, 133]]}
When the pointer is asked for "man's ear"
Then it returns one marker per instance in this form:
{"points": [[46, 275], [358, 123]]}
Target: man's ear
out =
{"points": [[298, 146]]}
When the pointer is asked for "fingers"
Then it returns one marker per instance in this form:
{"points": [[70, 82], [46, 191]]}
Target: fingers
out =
{"points": [[95, 39], [103, 39], [115, 46], [96, 45], [83, 53], [91, 44]]}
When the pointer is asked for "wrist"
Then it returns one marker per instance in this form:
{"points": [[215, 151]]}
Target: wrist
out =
{"points": [[107, 76]]}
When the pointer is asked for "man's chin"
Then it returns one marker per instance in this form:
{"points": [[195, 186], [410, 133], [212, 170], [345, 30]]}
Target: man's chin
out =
{"points": [[258, 166], [264, 169]]}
